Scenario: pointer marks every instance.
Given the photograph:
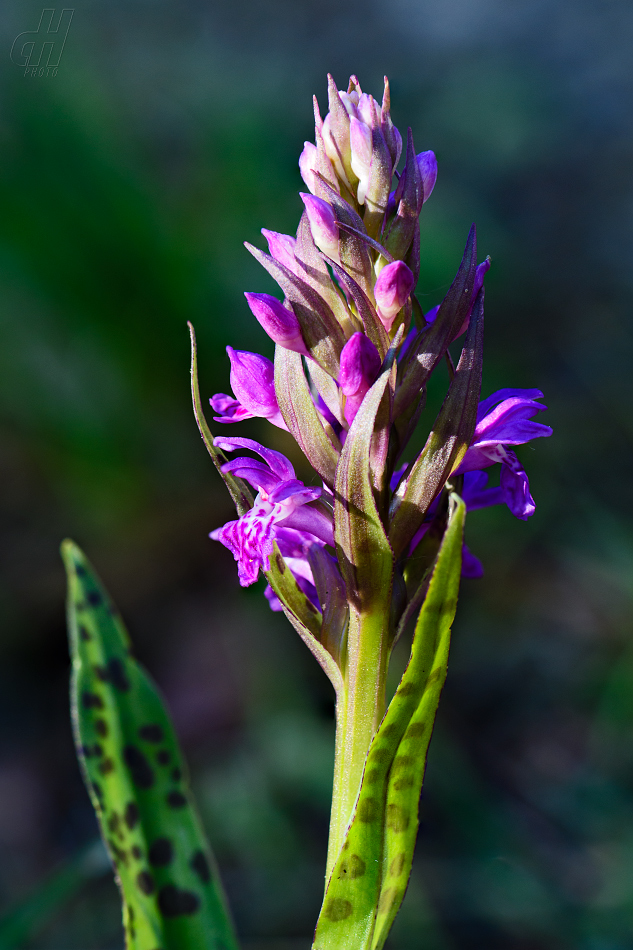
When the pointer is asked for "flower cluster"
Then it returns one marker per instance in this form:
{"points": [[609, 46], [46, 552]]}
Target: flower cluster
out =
{"points": [[349, 326]]}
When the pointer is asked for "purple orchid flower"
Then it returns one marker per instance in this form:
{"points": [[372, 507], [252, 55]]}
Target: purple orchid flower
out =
{"points": [[253, 382], [282, 502], [504, 419]]}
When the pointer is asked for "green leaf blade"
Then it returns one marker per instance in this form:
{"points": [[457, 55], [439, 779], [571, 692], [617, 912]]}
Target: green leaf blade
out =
{"points": [[172, 897], [359, 908]]}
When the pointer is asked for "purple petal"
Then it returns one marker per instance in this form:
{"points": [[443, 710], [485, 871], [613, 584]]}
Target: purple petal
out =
{"points": [[302, 573], [314, 521], [508, 423], [476, 458], [475, 493], [432, 313], [273, 601], [516, 488], [253, 382], [486, 404], [301, 494], [278, 463], [255, 473], [229, 408], [394, 481], [293, 542], [471, 565], [417, 537], [427, 163]]}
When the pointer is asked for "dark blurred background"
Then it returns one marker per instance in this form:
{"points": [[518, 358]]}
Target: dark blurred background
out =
{"points": [[128, 182]]}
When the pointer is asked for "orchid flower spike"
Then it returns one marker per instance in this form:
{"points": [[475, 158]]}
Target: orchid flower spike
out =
{"points": [[371, 536]]}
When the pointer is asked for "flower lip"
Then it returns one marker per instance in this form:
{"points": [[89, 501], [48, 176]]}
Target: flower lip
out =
{"points": [[282, 502]]}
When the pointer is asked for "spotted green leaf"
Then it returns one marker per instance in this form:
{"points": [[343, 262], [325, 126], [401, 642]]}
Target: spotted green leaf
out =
{"points": [[370, 875], [134, 771]]}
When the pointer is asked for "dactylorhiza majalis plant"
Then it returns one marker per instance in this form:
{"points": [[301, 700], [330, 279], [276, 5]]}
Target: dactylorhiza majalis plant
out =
{"points": [[352, 561]]}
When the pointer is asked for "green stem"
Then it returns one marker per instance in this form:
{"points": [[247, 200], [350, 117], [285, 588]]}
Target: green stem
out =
{"points": [[359, 710]]}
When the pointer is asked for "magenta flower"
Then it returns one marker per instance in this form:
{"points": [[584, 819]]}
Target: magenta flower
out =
{"points": [[360, 365], [282, 502], [504, 419], [253, 383], [278, 321]]}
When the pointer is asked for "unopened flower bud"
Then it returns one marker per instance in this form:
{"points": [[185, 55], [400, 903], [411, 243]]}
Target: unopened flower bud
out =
{"points": [[427, 163], [362, 153], [282, 248], [322, 224], [336, 133], [253, 382], [360, 365], [350, 101], [280, 324], [308, 164], [365, 109], [392, 289]]}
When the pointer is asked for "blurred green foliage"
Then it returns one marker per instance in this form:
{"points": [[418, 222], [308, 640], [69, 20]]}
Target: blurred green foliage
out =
{"points": [[127, 184]]}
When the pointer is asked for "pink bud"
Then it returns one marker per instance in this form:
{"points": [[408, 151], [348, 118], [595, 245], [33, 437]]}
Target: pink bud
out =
{"points": [[280, 324], [282, 248], [427, 163], [350, 101], [322, 224], [395, 283], [362, 153], [366, 108], [360, 365], [333, 149], [308, 164]]}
